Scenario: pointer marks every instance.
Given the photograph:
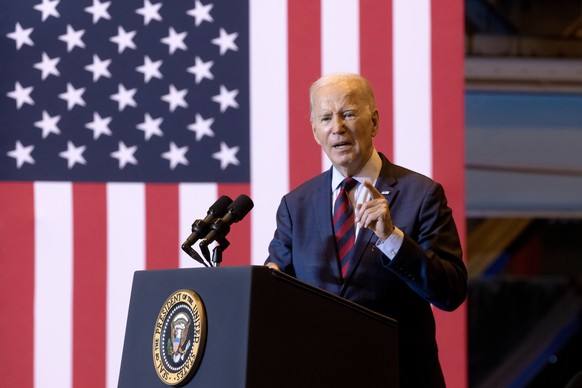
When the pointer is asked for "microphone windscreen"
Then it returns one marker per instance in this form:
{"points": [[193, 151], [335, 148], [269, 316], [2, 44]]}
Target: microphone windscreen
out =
{"points": [[240, 207], [220, 207]]}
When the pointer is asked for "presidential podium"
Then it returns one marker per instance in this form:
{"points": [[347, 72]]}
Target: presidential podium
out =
{"points": [[263, 329]]}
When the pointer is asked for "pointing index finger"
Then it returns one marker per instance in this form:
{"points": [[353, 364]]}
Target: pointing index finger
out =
{"points": [[374, 193]]}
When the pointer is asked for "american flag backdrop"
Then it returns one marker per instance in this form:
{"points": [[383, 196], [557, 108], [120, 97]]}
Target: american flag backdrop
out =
{"points": [[122, 121]]}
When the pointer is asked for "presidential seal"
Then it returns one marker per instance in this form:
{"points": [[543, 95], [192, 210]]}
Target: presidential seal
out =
{"points": [[179, 337]]}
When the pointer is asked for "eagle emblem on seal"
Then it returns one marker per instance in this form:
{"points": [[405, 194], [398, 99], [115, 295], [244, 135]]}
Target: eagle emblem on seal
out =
{"points": [[177, 345]]}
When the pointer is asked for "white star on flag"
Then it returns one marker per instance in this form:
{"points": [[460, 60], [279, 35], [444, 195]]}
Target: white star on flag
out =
{"points": [[175, 98], [201, 13], [21, 154], [21, 95], [48, 66], [48, 8], [202, 127], [226, 98], [124, 97], [73, 96], [99, 126], [175, 40], [123, 39], [73, 38], [99, 68], [73, 155], [149, 12], [226, 155], [99, 10], [21, 36], [48, 124], [151, 126], [150, 69], [226, 41], [125, 155], [201, 69], [176, 155]]}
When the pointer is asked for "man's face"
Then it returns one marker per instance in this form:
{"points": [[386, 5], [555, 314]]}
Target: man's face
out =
{"points": [[343, 125]]}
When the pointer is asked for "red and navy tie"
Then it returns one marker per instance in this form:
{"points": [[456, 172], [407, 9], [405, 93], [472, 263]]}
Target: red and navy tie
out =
{"points": [[343, 223]]}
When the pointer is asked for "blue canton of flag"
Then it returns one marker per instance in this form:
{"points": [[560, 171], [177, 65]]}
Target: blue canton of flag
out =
{"points": [[129, 91]]}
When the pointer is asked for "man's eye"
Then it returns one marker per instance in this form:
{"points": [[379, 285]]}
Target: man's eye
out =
{"points": [[349, 115], [325, 118]]}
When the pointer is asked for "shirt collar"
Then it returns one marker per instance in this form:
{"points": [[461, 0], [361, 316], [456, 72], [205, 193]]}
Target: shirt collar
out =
{"points": [[370, 171]]}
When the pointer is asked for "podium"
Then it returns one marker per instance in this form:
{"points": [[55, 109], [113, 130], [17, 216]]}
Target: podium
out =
{"points": [[264, 329]]}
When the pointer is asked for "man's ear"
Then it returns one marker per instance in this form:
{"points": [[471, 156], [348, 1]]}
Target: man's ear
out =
{"points": [[375, 122]]}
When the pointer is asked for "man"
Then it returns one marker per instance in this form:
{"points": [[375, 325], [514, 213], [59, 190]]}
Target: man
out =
{"points": [[406, 254]]}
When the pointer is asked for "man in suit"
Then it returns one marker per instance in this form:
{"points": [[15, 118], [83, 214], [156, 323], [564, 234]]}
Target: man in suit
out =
{"points": [[404, 252]]}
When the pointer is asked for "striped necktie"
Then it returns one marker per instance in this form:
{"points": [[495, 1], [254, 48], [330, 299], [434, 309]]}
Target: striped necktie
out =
{"points": [[343, 223]]}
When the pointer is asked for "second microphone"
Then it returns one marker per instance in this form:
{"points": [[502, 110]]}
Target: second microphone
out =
{"points": [[220, 227]]}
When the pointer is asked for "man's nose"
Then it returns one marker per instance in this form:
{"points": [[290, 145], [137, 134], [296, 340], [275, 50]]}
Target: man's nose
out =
{"points": [[337, 124]]}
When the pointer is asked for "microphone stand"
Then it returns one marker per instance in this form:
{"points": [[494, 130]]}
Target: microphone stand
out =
{"points": [[216, 259], [186, 247], [223, 243]]}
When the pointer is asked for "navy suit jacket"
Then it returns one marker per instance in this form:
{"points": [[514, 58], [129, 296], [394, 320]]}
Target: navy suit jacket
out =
{"points": [[428, 268]]}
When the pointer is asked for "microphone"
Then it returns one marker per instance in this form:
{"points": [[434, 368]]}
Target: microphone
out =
{"points": [[221, 226], [201, 227]]}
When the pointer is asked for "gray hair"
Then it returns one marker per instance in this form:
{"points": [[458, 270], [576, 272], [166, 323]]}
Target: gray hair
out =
{"points": [[363, 87]]}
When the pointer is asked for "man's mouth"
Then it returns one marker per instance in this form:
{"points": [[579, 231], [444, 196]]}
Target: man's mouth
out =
{"points": [[341, 145]]}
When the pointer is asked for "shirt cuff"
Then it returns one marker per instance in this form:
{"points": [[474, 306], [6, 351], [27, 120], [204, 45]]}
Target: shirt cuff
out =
{"points": [[392, 244]]}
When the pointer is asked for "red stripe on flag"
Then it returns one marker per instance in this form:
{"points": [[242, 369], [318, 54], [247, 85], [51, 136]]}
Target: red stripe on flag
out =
{"points": [[376, 65], [239, 251], [448, 100], [304, 50], [89, 284], [17, 284], [448, 163], [162, 226]]}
